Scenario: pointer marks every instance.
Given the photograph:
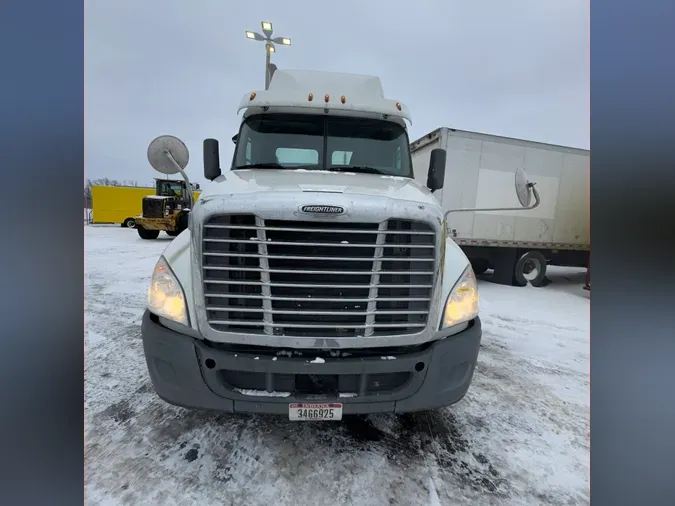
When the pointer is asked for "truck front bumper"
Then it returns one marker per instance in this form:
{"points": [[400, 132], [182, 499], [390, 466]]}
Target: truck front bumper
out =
{"points": [[192, 373]]}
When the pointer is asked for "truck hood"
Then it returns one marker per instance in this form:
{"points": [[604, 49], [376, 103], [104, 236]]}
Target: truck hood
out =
{"points": [[260, 180]]}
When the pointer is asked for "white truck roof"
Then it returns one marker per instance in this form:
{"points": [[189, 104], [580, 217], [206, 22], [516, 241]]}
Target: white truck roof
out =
{"points": [[306, 89]]}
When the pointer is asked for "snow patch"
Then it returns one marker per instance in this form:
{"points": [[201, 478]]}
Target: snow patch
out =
{"points": [[261, 393], [315, 170], [94, 338], [433, 495], [317, 360], [285, 353], [388, 358]]}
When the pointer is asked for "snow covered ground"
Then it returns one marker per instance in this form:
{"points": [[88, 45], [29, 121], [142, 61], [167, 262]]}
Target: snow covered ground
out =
{"points": [[520, 436]]}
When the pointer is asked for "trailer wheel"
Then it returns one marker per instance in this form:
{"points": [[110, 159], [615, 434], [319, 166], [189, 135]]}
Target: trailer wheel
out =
{"points": [[129, 223], [147, 234], [531, 268], [172, 233]]}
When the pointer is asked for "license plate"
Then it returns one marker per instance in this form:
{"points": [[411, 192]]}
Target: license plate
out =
{"points": [[314, 412]]}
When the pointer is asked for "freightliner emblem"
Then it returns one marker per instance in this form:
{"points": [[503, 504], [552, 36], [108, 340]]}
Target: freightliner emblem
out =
{"points": [[323, 209]]}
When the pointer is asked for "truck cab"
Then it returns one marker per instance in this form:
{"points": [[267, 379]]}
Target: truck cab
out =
{"points": [[316, 278]]}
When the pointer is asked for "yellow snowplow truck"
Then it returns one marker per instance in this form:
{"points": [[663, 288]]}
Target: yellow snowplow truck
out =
{"points": [[167, 210]]}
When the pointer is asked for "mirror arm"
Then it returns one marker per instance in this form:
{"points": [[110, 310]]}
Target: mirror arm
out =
{"points": [[536, 203], [168, 154], [536, 196]]}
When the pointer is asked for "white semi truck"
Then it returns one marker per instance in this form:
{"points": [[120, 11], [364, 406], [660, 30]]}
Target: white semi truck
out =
{"points": [[316, 277], [516, 244]]}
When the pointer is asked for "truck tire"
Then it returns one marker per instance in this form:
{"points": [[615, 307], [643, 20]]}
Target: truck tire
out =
{"points": [[147, 234], [172, 233], [531, 268], [129, 223]]}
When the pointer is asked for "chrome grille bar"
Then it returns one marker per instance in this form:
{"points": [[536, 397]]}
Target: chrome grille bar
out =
{"points": [[330, 244], [308, 258], [317, 326], [264, 269], [304, 271], [317, 299], [375, 279], [326, 230], [309, 285], [322, 313]]}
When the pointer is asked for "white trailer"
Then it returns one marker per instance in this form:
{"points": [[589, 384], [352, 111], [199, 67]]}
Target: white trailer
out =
{"points": [[516, 244]]}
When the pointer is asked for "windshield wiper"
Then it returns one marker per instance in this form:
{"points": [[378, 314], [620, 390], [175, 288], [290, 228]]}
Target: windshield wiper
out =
{"points": [[358, 168], [259, 166]]}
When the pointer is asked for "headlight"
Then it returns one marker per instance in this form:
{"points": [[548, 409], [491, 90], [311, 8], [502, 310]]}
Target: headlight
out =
{"points": [[462, 303], [165, 295]]}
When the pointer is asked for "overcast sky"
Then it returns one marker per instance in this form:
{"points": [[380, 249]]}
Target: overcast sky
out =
{"points": [[518, 68]]}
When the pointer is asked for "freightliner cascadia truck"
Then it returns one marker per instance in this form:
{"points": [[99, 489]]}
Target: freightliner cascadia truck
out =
{"points": [[316, 278]]}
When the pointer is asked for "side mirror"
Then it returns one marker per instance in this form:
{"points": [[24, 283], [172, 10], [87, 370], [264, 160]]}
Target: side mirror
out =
{"points": [[211, 159], [436, 174], [523, 188], [168, 154], [234, 139]]}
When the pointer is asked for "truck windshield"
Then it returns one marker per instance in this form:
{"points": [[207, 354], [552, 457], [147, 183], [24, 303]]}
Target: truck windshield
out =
{"points": [[284, 141]]}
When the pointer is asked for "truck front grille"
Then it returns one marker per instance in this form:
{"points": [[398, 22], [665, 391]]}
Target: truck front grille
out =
{"points": [[297, 278]]}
